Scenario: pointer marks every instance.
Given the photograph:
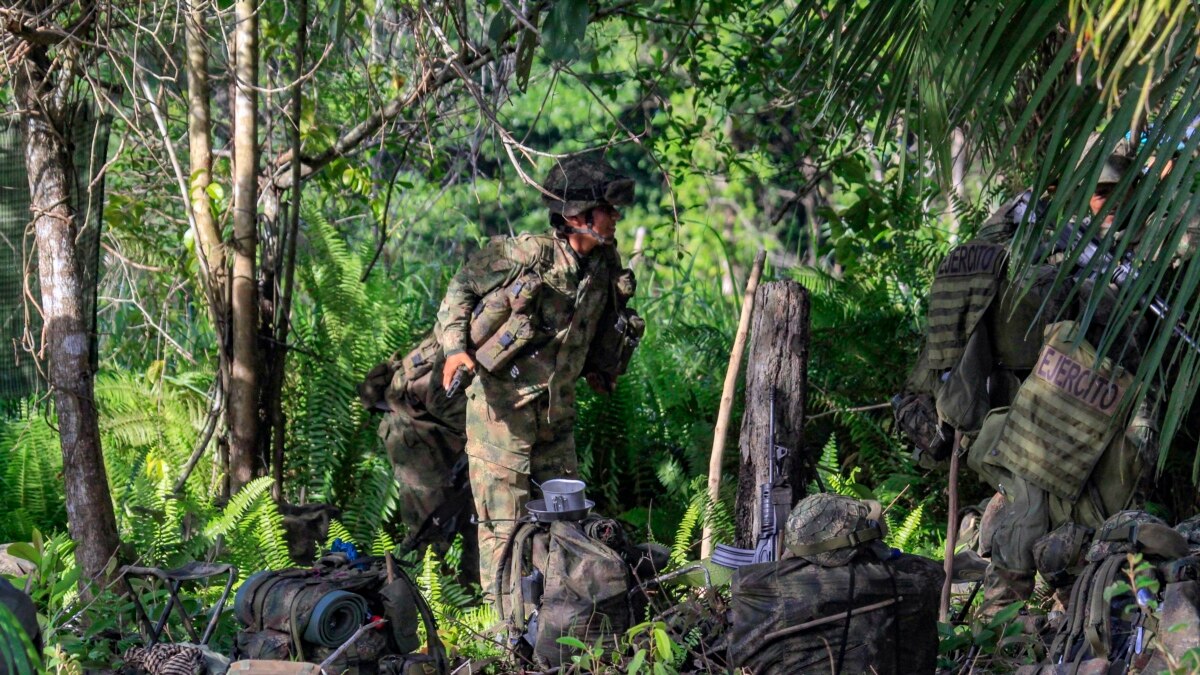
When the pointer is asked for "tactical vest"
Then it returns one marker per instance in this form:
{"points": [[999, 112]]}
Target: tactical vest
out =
{"points": [[1118, 627], [566, 578], [964, 286], [307, 614], [1064, 415], [865, 616], [504, 322]]}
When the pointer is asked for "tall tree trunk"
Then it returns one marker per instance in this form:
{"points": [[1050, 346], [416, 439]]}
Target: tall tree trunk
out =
{"points": [[244, 373], [66, 343], [210, 249], [284, 314], [778, 361]]}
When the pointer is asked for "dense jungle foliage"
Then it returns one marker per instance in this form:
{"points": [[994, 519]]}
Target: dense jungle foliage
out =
{"points": [[740, 140]]}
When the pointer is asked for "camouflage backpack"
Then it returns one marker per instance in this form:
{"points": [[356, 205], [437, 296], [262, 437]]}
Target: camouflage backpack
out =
{"points": [[1118, 628], [569, 578], [840, 601]]}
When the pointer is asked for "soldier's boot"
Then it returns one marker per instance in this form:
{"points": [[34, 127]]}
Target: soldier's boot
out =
{"points": [[1001, 588]]}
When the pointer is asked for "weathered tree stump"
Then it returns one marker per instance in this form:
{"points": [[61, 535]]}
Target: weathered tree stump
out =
{"points": [[778, 360]]}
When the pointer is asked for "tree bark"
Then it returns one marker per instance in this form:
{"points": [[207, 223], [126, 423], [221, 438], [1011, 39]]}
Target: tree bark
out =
{"points": [[778, 361], [209, 247], [283, 324], [244, 373], [65, 340]]}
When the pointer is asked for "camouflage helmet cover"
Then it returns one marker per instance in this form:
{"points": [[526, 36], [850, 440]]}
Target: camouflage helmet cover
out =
{"points": [[1058, 555], [830, 529], [1116, 535], [585, 182]]}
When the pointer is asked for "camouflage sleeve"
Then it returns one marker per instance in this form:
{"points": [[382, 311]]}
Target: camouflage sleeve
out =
{"points": [[500, 262]]}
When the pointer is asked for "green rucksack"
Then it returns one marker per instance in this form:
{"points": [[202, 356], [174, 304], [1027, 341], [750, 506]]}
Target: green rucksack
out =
{"points": [[1118, 628], [566, 579]]}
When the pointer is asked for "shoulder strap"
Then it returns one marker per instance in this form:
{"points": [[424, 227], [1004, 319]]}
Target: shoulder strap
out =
{"points": [[1099, 619], [508, 579]]}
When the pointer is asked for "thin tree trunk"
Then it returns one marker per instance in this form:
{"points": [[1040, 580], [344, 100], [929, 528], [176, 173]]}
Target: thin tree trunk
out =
{"points": [[275, 389], [244, 373], [778, 361], [66, 343], [210, 250]]}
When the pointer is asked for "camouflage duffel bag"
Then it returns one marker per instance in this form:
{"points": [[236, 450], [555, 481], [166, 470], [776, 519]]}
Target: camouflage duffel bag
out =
{"points": [[840, 602], [866, 616], [307, 614]]}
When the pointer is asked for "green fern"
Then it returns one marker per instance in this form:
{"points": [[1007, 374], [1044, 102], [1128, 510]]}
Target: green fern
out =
{"points": [[901, 537]]}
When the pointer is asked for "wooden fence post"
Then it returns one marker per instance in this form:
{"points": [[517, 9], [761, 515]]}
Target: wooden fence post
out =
{"points": [[778, 360]]}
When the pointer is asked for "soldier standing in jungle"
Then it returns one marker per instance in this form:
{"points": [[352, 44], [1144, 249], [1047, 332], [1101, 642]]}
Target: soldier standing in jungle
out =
{"points": [[521, 409]]}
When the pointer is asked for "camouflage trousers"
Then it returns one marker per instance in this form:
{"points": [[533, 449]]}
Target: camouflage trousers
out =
{"points": [[1031, 512], [507, 447]]}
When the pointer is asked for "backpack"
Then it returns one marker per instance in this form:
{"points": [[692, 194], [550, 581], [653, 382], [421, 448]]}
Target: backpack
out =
{"points": [[307, 614], [1119, 628], [868, 615], [567, 579]]}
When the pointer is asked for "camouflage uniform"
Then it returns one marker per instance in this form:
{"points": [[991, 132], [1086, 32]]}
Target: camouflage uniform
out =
{"points": [[520, 421]]}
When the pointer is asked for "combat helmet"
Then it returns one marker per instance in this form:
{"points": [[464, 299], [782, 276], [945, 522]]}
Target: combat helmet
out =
{"points": [[1116, 164], [829, 530], [1137, 531], [577, 184]]}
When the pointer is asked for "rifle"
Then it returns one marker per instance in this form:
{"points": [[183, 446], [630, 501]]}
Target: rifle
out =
{"points": [[775, 497], [1118, 273]]}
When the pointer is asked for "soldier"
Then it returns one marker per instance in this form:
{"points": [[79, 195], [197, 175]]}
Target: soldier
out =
{"points": [[521, 412], [1055, 455]]}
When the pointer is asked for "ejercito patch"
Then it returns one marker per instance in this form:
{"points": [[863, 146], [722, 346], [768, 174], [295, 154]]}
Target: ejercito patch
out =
{"points": [[1085, 385], [972, 258]]}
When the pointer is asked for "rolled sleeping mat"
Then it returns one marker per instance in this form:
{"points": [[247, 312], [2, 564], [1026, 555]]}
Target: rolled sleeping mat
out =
{"points": [[334, 618], [243, 607]]}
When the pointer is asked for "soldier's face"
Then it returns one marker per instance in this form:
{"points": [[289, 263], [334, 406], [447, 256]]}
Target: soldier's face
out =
{"points": [[1099, 199], [604, 220]]}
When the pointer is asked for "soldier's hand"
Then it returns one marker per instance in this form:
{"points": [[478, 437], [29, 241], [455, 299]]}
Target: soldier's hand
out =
{"points": [[452, 363]]}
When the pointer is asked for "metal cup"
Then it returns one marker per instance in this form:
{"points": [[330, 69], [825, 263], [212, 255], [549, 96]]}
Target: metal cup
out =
{"points": [[564, 494]]}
